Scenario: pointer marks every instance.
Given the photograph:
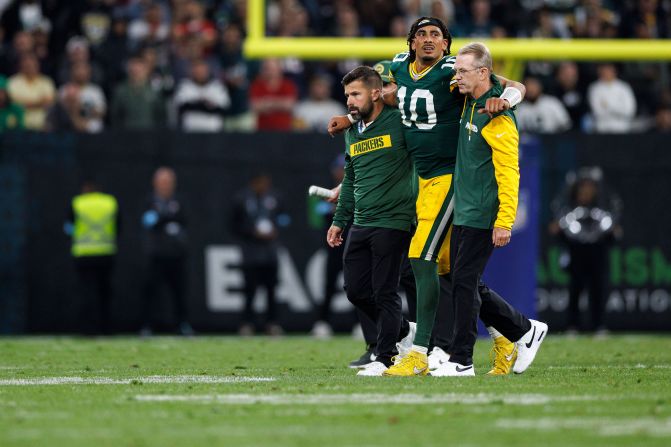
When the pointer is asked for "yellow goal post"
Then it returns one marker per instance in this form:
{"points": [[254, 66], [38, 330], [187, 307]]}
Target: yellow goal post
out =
{"points": [[511, 51]]}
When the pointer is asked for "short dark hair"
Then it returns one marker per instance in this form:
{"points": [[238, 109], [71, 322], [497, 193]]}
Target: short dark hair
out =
{"points": [[429, 21], [367, 75]]}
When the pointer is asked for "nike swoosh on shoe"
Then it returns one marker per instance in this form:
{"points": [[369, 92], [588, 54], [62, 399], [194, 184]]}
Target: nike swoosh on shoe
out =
{"points": [[531, 342], [459, 370]]}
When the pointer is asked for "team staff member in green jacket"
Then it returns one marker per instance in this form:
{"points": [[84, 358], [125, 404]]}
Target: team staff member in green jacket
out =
{"points": [[486, 185], [377, 192], [94, 225]]}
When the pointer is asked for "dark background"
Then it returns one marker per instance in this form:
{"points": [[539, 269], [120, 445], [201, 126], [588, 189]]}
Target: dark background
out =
{"points": [[39, 174]]}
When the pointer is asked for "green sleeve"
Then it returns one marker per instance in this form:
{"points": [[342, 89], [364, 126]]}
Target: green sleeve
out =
{"points": [[345, 209]]}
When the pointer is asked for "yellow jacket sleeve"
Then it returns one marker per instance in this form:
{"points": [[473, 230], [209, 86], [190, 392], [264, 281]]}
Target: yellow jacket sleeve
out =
{"points": [[502, 136]]}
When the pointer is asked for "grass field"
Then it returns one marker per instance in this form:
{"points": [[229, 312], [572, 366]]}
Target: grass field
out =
{"points": [[295, 391]]}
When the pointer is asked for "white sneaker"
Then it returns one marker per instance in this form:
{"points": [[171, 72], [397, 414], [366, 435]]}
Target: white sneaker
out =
{"points": [[528, 345], [322, 330], [451, 369], [374, 369], [405, 345], [437, 357]]}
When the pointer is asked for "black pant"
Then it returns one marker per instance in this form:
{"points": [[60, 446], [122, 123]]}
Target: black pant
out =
{"points": [[372, 263], [261, 275], [587, 270], [407, 283], [470, 249], [95, 291], [169, 271]]}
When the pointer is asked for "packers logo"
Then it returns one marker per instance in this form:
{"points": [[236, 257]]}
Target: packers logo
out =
{"points": [[369, 145], [379, 68]]}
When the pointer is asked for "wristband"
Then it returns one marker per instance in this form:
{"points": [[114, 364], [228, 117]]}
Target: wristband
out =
{"points": [[513, 96]]}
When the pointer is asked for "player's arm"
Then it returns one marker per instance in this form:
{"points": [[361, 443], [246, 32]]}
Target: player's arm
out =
{"points": [[502, 136], [345, 207], [513, 94], [339, 124], [389, 94]]}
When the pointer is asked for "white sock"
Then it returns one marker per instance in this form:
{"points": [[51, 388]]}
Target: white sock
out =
{"points": [[493, 333], [421, 349]]}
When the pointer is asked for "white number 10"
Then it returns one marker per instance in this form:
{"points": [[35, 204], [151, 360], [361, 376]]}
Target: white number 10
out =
{"points": [[430, 108]]}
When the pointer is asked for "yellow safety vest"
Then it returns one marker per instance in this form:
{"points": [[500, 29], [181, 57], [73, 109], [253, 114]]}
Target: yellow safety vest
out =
{"points": [[95, 226]]}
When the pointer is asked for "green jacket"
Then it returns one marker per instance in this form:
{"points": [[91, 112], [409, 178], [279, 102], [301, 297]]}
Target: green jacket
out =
{"points": [[487, 175], [377, 189]]}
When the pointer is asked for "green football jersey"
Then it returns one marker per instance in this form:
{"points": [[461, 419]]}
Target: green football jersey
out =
{"points": [[430, 110], [377, 190]]}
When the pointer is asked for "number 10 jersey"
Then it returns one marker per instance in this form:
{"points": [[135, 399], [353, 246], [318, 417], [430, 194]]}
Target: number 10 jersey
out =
{"points": [[430, 105]]}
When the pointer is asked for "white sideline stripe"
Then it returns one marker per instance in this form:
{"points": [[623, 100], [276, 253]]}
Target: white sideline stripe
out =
{"points": [[638, 366], [340, 399], [606, 426], [128, 381]]}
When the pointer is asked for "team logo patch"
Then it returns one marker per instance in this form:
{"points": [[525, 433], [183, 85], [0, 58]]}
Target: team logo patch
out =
{"points": [[369, 145], [472, 127]]}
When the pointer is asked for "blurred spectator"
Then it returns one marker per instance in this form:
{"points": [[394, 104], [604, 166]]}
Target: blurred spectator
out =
{"points": [[23, 44], [315, 112], [42, 49], [135, 105], [82, 105], [93, 223], [541, 113], [479, 23], [257, 216], [201, 101], [25, 15], [95, 20], [592, 19], [647, 19], [587, 222], [11, 115], [570, 92], [166, 248], [77, 51], [273, 97], [663, 119], [160, 75], [113, 54], [190, 22], [334, 265], [65, 113], [150, 30], [236, 72], [377, 14], [612, 102], [33, 91]]}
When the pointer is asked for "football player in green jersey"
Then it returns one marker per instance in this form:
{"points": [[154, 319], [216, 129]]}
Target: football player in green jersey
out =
{"points": [[430, 108]]}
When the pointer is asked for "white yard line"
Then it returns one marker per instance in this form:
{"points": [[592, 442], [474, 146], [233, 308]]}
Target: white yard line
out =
{"points": [[606, 426], [606, 366], [128, 381], [340, 399]]}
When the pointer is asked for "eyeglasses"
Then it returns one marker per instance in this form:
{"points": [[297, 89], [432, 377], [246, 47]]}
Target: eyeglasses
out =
{"points": [[461, 71]]}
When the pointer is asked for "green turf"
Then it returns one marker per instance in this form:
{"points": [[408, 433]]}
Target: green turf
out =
{"points": [[610, 392]]}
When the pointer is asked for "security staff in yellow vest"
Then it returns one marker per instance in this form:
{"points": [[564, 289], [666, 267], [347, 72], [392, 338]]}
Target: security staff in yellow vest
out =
{"points": [[94, 225]]}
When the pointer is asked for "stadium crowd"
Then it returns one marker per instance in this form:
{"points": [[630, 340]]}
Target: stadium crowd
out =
{"points": [[87, 65]]}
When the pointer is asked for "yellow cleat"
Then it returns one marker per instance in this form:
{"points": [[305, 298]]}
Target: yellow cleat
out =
{"points": [[503, 356], [413, 364]]}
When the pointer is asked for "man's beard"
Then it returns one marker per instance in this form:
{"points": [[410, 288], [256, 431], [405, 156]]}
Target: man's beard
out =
{"points": [[363, 113]]}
